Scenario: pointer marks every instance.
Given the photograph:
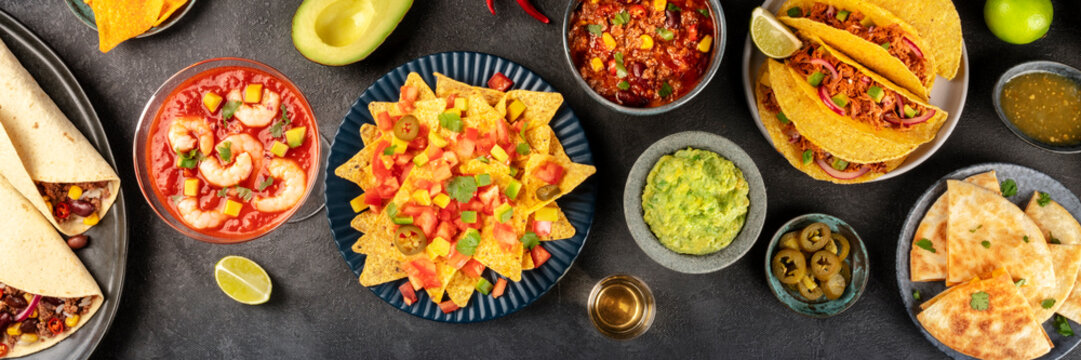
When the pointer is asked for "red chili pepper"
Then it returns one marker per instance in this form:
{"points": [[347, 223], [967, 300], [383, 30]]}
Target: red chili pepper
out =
{"points": [[532, 11], [62, 210], [56, 326], [491, 7], [4, 350]]}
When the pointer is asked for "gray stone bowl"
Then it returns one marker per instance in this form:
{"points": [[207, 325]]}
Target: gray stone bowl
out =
{"points": [[694, 264], [1028, 68]]}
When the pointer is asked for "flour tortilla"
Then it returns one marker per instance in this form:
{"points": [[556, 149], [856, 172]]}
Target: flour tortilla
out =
{"points": [[1012, 240], [1054, 220], [38, 143], [925, 265], [1067, 260], [36, 260], [1005, 330]]}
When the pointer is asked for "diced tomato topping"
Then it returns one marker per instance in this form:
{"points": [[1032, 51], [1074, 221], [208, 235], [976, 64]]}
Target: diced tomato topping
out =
{"points": [[455, 259], [485, 144], [409, 96], [434, 153], [423, 184], [473, 205], [405, 169], [435, 190], [499, 288], [500, 82], [446, 230], [539, 255], [542, 228], [550, 173], [423, 271], [373, 199], [421, 141], [490, 197], [502, 132], [408, 295], [411, 209], [450, 100], [472, 134], [387, 188], [505, 235], [427, 221], [464, 147], [473, 268], [448, 306], [442, 173], [384, 122], [379, 169]]}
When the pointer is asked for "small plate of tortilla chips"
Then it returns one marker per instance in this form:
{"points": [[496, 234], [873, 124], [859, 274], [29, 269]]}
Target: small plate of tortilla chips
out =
{"points": [[874, 90], [454, 201], [127, 19], [988, 262]]}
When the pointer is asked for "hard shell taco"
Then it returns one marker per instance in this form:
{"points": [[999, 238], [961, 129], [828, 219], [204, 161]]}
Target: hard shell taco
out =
{"points": [[803, 153], [871, 35]]}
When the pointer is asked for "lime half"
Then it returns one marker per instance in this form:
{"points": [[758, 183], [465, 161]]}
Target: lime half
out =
{"points": [[771, 36], [243, 280]]}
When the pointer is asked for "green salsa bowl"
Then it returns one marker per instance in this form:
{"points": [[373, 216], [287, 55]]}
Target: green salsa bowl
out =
{"points": [[647, 240]]}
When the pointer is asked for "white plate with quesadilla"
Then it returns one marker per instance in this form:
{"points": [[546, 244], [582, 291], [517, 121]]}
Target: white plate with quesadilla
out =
{"points": [[975, 229]]}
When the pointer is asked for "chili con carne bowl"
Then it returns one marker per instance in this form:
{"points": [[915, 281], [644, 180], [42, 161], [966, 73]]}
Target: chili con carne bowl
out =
{"points": [[644, 57]]}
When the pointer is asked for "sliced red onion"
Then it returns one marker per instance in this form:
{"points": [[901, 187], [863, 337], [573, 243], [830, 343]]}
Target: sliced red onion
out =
{"points": [[827, 65], [919, 119], [822, 94], [831, 11], [843, 175], [865, 80], [22, 315], [913, 46]]}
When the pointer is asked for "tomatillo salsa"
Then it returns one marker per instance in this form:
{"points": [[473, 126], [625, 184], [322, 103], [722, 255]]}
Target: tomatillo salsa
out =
{"points": [[232, 152], [642, 53], [695, 201]]}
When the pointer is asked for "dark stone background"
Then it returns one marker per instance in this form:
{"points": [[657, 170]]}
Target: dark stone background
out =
{"points": [[172, 308]]}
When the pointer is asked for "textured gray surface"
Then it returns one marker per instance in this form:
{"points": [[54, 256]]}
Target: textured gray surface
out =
{"points": [[172, 309]]}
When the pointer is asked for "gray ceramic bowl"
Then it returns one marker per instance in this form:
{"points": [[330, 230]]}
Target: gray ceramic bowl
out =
{"points": [[694, 264], [857, 261], [1027, 68], [720, 36]]}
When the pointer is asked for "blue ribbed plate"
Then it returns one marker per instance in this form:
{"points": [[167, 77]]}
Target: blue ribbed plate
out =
{"points": [[472, 68]]}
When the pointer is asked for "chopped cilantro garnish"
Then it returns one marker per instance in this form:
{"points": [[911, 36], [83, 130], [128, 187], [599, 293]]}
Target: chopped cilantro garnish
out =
{"points": [[782, 118], [1008, 188], [223, 192], [462, 188], [666, 34], [621, 18], [468, 244], [1062, 326], [265, 183], [243, 193], [972, 230], [808, 155], [595, 29], [522, 148], [451, 121], [916, 295], [794, 12], [980, 301], [704, 12], [529, 240], [624, 85], [229, 109], [225, 151], [1047, 303], [1044, 199], [673, 7], [1052, 239], [1025, 238], [621, 70], [926, 245], [1020, 282], [665, 90], [986, 244]]}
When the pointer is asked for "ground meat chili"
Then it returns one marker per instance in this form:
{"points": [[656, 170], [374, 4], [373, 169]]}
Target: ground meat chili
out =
{"points": [[789, 130], [850, 92], [64, 208], [642, 53], [890, 37], [53, 317]]}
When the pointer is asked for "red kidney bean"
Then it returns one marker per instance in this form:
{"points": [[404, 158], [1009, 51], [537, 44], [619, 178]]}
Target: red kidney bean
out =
{"points": [[672, 19], [5, 320], [78, 241], [637, 69], [29, 326], [82, 207], [15, 301]]}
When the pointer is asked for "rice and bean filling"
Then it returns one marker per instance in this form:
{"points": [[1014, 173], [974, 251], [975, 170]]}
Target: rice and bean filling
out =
{"points": [[51, 316], [75, 201], [793, 136]]}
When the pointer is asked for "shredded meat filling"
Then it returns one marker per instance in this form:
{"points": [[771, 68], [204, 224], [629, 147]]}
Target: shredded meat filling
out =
{"points": [[769, 100], [90, 202], [889, 34]]}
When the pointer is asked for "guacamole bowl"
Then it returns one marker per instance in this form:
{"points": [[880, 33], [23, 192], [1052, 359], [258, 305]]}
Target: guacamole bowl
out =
{"points": [[712, 259], [857, 262]]}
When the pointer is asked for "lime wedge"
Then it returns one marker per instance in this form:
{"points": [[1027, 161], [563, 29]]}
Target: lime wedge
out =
{"points": [[771, 36], [243, 280]]}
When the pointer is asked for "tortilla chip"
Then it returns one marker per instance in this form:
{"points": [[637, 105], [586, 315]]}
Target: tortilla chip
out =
{"points": [[540, 107], [527, 260], [561, 229], [1067, 260], [445, 86], [168, 8], [827, 129], [1055, 221], [939, 24], [985, 231], [573, 175], [368, 134], [493, 255], [424, 92], [925, 265], [952, 319], [444, 273], [380, 269], [358, 169], [120, 20], [540, 140], [365, 221], [460, 289]]}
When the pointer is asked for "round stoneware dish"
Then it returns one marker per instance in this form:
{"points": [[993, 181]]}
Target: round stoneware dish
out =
{"points": [[694, 264], [720, 35], [1052, 67], [857, 261]]}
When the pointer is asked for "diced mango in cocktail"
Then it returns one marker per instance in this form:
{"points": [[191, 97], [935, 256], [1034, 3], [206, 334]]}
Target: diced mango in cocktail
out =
{"points": [[279, 149], [212, 101], [191, 187], [232, 208], [253, 93]]}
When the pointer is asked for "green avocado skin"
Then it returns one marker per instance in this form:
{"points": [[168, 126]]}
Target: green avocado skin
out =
{"points": [[307, 39], [695, 201]]}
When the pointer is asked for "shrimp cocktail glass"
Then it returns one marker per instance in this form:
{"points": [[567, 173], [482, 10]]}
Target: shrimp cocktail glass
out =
{"points": [[227, 150]]}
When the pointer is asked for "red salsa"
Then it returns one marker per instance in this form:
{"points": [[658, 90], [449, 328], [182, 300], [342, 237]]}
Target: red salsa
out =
{"points": [[232, 152], [642, 53]]}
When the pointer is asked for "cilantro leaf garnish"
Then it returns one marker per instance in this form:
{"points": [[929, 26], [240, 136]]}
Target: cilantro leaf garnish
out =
{"points": [[1062, 326], [462, 188], [223, 192], [243, 193], [621, 18], [595, 29], [1025, 238], [916, 295], [225, 151], [1044, 199], [468, 244], [980, 301], [265, 183], [1047, 303], [1052, 239], [972, 230], [986, 244], [926, 245], [1020, 282], [665, 90], [229, 109], [1008, 188], [389, 150]]}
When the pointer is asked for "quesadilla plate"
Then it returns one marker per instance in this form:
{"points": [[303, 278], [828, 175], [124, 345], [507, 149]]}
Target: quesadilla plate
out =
{"points": [[914, 294]]}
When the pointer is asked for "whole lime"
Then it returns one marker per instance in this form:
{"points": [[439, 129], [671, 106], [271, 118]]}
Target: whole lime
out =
{"points": [[1018, 21]]}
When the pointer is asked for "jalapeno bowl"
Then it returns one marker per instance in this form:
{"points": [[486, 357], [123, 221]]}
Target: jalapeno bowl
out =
{"points": [[857, 262], [680, 95]]}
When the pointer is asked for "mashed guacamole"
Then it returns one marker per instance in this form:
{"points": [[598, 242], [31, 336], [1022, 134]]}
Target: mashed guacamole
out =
{"points": [[695, 201]]}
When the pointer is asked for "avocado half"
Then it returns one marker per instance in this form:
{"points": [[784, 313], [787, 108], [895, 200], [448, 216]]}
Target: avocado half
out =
{"points": [[341, 32]]}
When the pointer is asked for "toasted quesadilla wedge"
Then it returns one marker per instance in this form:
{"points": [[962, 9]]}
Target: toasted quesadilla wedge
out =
{"points": [[1055, 221], [1067, 260], [986, 319], [927, 260]]}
